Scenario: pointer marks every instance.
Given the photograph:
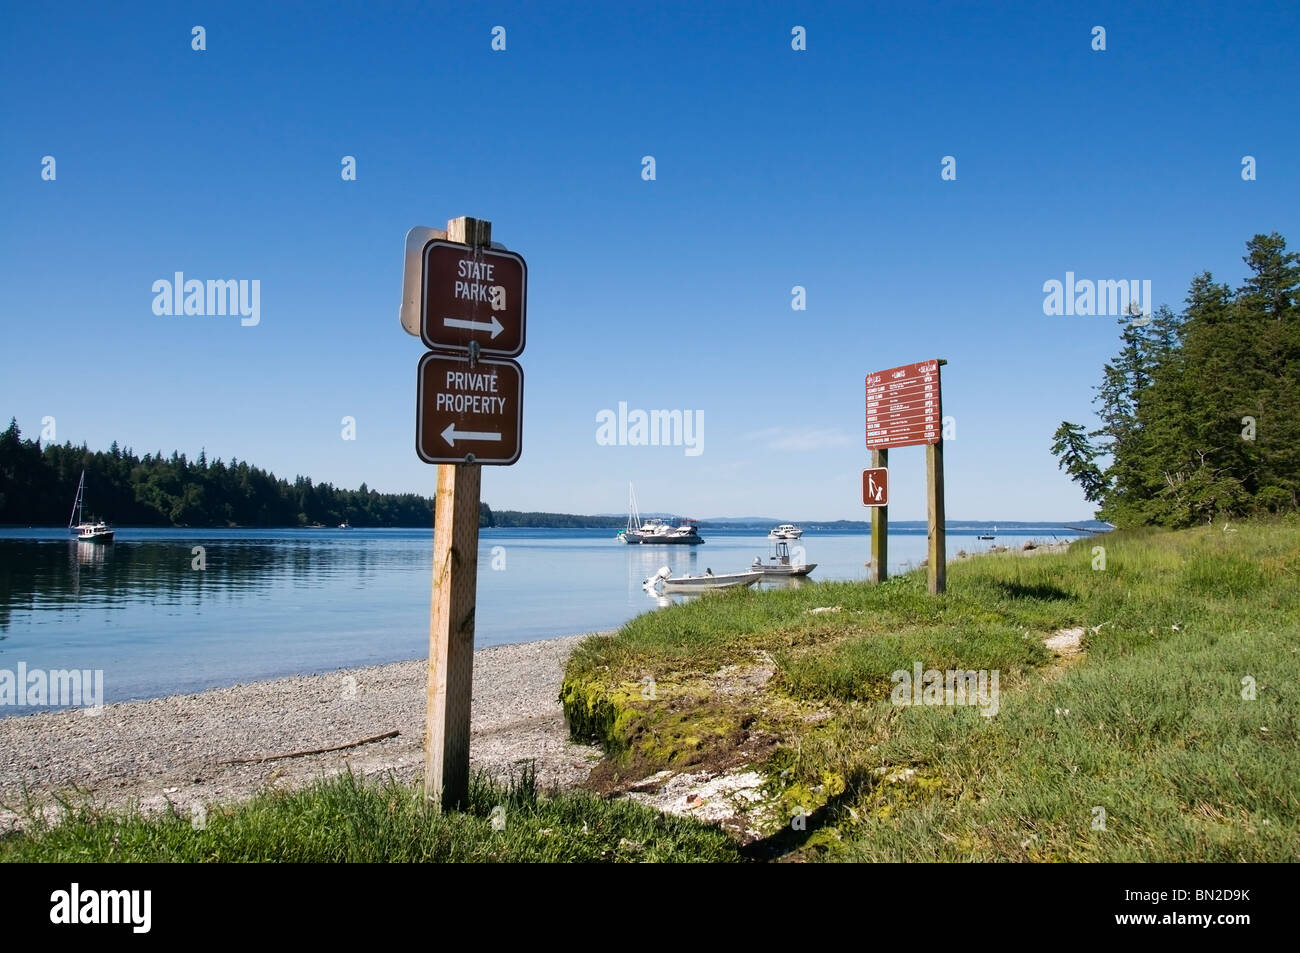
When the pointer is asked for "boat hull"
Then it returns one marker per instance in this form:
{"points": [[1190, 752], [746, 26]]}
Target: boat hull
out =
{"points": [[97, 538], [666, 541], [705, 583], [786, 570]]}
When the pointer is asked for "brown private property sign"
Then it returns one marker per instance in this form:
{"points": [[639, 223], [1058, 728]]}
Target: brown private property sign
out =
{"points": [[473, 295], [903, 406], [465, 408]]}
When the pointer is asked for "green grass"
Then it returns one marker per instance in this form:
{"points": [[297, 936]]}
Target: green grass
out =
{"points": [[1148, 725], [347, 820]]}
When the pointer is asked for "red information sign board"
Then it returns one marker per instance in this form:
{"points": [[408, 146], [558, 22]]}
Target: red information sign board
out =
{"points": [[903, 406]]}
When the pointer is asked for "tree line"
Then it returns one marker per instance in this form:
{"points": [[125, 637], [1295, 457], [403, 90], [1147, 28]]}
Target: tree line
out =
{"points": [[1199, 412], [38, 484]]}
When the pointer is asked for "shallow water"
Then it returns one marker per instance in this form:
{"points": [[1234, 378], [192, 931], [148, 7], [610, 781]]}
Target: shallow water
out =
{"points": [[280, 602]]}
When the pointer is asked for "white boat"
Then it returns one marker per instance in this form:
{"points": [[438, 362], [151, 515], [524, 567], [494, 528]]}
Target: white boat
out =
{"points": [[780, 564], [655, 531], [346, 524], [785, 531], [667, 582], [96, 531], [993, 535]]}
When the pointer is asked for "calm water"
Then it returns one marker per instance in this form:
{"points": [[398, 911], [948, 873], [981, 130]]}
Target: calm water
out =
{"points": [[279, 602]]}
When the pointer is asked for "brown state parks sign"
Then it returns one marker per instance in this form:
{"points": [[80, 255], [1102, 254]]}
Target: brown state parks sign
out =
{"points": [[473, 295], [464, 410]]}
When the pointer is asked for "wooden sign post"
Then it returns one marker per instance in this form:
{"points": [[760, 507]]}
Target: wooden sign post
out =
{"points": [[451, 635], [878, 570], [904, 408], [938, 551], [452, 297]]}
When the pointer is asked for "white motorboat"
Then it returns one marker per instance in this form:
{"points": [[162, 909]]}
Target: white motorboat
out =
{"points": [[780, 564], [88, 531], [786, 531], [667, 582]]}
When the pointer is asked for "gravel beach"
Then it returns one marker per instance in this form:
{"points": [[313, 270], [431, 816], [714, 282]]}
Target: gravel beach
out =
{"points": [[170, 749]]}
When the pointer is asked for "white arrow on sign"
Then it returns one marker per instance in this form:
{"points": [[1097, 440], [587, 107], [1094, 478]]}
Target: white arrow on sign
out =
{"points": [[451, 434], [495, 326]]}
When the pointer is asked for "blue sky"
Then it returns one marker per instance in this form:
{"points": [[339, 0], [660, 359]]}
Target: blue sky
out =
{"points": [[775, 168]]}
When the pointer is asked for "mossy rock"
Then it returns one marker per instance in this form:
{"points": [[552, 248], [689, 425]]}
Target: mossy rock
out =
{"points": [[683, 725]]}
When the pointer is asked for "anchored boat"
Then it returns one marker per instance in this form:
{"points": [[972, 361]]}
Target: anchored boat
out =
{"points": [[655, 530], [779, 564], [87, 531], [785, 531]]}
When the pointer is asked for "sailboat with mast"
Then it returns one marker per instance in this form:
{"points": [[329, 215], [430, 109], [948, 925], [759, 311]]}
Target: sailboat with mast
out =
{"points": [[655, 530], [87, 531]]}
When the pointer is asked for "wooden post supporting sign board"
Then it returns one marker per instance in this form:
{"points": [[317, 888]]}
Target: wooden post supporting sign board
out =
{"points": [[904, 408], [878, 568]]}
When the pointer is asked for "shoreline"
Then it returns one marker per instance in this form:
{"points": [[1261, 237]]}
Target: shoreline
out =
{"points": [[171, 749], [227, 743]]}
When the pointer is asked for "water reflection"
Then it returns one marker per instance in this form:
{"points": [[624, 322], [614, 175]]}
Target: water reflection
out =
{"points": [[49, 574], [784, 582], [90, 554]]}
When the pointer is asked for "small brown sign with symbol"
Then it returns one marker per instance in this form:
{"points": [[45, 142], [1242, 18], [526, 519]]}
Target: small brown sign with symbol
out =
{"points": [[875, 486], [473, 295], [464, 410]]}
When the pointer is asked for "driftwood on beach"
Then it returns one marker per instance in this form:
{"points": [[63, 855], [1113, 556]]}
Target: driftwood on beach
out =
{"points": [[302, 754], [167, 753]]}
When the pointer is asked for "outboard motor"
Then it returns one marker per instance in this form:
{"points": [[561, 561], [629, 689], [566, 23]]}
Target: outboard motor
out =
{"points": [[653, 581]]}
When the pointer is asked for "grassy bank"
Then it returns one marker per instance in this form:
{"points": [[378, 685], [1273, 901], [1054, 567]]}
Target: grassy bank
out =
{"points": [[1145, 731], [346, 820]]}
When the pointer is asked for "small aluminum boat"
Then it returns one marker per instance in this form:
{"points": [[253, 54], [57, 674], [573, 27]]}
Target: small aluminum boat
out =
{"points": [[667, 582]]}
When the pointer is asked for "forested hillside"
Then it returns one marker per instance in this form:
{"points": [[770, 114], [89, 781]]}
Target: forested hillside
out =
{"points": [[1200, 410], [37, 487]]}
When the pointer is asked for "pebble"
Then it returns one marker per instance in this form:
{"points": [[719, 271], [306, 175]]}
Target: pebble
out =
{"points": [[138, 749]]}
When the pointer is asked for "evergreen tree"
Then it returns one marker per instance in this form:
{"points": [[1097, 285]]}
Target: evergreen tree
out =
{"points": [[1198, 411]]}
